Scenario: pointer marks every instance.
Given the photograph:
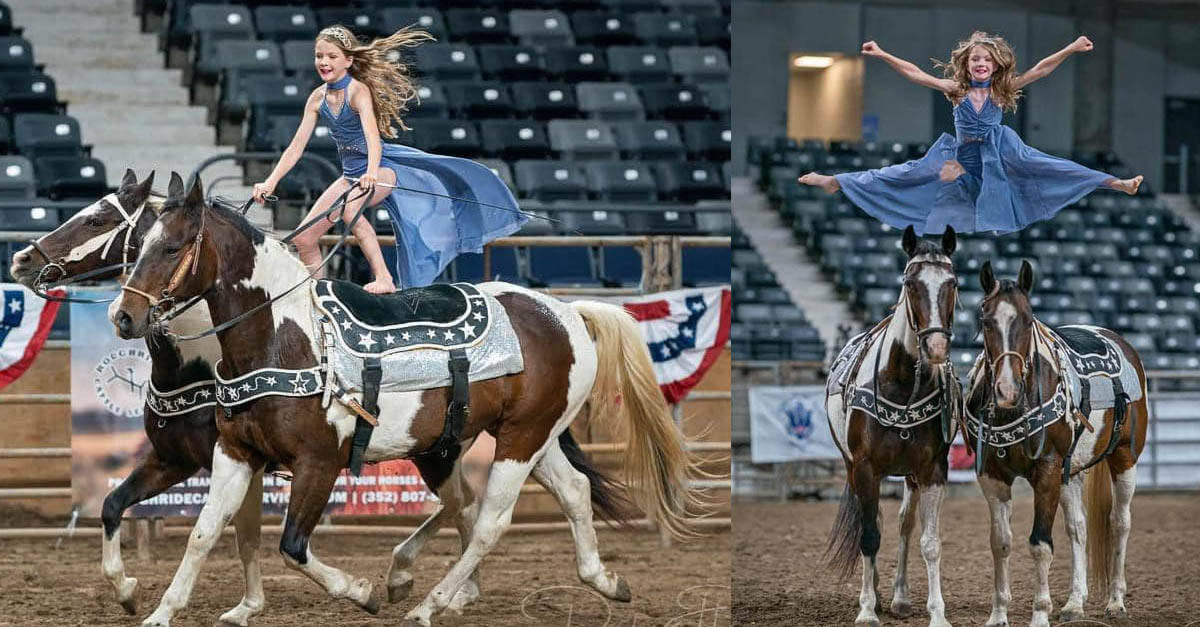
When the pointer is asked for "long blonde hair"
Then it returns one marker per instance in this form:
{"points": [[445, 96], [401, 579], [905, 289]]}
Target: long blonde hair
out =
{"points": [[381, 70], [1003, 92]]}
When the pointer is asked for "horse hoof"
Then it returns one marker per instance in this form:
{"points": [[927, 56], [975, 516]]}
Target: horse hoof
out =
{"points": [[373, 601], [1003, 623], [901, 609], [622, 593], [1115, 612], [411, 622], [130, 603], [400, 591], [1070, 615], [874, 622], [225, 623]]}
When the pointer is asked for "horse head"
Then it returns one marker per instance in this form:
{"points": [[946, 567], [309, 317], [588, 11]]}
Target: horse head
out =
{"points": [[107, 232], [1006, 318], [178, 261], [929, 294]]}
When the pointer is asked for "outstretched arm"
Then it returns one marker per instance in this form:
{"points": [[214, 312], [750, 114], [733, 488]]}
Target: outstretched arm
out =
{"points": [[292, 154], [1047, 65], [907, 69]]}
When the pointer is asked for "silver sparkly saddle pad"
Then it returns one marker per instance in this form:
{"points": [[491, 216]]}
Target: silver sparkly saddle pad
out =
{"points": [[1095, 366], [415, 353]]}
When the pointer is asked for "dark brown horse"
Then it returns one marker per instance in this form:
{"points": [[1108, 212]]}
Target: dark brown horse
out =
{"points": [[891, 400], [106, 234], [1045, 404], [572, 354]]}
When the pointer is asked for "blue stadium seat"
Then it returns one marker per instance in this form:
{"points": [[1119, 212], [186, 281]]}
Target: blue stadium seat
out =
{"points": [[41, 134], [549, 181], [70, 177], [281, 23], [544, 101]]}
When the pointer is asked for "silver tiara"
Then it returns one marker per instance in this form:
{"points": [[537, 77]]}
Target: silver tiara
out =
{"points": [[342, 35]]}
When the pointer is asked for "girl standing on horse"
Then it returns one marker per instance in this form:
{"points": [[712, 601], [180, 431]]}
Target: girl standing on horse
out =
{"points": [[986, 178], [447, 205]]}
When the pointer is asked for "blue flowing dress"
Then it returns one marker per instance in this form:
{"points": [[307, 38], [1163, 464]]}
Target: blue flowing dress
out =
{"points": [[430, 230], [1007, 185]]}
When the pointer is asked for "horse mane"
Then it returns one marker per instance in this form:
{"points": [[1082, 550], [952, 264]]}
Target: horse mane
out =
{"points": [[226, 211], [929, 247]]}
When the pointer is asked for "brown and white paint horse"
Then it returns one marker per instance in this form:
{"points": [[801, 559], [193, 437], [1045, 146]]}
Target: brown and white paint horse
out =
{"points": [[890, 359], [110, 232], [1017, 361], [106, 233], [238, 268]]}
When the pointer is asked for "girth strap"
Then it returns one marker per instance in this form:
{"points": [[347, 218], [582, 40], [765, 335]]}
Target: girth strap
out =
{"points": [[456, 413], [1120, 407], [372, 376]]}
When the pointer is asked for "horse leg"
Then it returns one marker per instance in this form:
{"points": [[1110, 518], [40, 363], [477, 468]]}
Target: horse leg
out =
{"points": [[457, 502], [1071, 500], [573, 492], [901, 603], [999, 500], [931, 550], [248, 524], [495, 513], [866, 487], [148, 479], [312, 482], [1123, 488], [227, 488], [1046, 486]]}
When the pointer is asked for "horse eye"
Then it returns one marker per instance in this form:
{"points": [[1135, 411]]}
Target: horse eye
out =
{"points": [[172, 250]]}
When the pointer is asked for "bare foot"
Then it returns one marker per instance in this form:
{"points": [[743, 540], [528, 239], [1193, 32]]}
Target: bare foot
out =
{"points": [[1129, 186], [827, 183], [380, 286], [951, 170]]}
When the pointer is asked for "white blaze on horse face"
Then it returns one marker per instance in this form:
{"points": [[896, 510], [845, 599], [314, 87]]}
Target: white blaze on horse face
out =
{"points": [[95, 242], [934, 277], [1004, 316]]}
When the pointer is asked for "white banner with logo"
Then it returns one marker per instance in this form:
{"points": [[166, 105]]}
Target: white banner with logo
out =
{"points": [[788, 424]]}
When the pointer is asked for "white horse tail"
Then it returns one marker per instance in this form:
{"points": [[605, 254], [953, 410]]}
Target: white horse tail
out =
{"points": [[658, 466], [1098, 500]]}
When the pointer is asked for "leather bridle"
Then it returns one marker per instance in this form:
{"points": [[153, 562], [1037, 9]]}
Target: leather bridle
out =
{"points": [[42, 282]]}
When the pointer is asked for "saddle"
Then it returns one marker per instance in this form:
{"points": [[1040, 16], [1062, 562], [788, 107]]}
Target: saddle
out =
{"points": [[416, 339], [439, 303], [1098, 372]]}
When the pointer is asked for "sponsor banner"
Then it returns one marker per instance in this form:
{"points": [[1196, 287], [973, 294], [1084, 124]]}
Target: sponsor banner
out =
{"points": [[788, 424], [109, 380]]}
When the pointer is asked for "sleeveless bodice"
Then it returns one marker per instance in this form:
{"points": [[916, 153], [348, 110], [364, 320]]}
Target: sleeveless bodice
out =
{"points": [[971, 126], [346, 129]]}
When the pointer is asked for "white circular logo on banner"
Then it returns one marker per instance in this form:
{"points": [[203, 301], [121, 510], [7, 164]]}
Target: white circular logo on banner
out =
{"points": [[121, 379]]}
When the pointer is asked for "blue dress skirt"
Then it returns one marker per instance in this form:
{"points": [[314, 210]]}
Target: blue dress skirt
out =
{"points": [[430, 230], [1007, 185]]}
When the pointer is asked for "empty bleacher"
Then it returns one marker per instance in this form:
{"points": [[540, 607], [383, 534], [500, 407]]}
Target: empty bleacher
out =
{"points": [[589, 108]]}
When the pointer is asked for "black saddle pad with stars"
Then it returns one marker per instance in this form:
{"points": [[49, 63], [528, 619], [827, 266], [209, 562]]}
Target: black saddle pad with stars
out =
{"points": [[443, 316]]}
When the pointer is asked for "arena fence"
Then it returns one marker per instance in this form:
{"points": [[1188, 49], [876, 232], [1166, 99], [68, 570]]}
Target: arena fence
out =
{"points": [[1170, 460]]}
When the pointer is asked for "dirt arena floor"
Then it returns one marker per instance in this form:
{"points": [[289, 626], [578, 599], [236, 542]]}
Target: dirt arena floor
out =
{"points": [[529, 580], [778, 579]]}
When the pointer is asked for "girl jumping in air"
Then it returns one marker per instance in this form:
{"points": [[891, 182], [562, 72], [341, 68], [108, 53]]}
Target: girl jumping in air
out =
{"points": [[363, 96], [986, 178]]}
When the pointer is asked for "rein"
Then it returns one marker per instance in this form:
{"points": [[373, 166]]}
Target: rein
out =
{"points": [[161, 315]]}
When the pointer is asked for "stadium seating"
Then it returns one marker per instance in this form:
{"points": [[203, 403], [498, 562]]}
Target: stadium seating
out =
{"points": [[610, 108]]}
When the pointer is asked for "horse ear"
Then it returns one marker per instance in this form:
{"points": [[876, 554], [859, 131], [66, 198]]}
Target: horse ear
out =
{"points": [[987, 280], [1025, 276], [949, 241], [909, 241], [141, 191], [195, 196], [175, 187], [129, 179]]}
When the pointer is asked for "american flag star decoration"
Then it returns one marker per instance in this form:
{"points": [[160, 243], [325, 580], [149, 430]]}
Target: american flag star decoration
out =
{"points": [[685, 332]]}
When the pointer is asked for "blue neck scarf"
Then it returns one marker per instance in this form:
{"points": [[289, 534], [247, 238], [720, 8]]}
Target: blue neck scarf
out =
{"points": [[974, 83], [341, 84]]}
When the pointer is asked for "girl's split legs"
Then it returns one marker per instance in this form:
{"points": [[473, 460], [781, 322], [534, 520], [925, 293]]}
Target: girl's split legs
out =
{"points": [[827, 183], [1129, 186]]}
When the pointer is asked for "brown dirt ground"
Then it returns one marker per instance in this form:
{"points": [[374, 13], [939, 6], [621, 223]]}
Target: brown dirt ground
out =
{"points": [[523, 579], [778, 578]]}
